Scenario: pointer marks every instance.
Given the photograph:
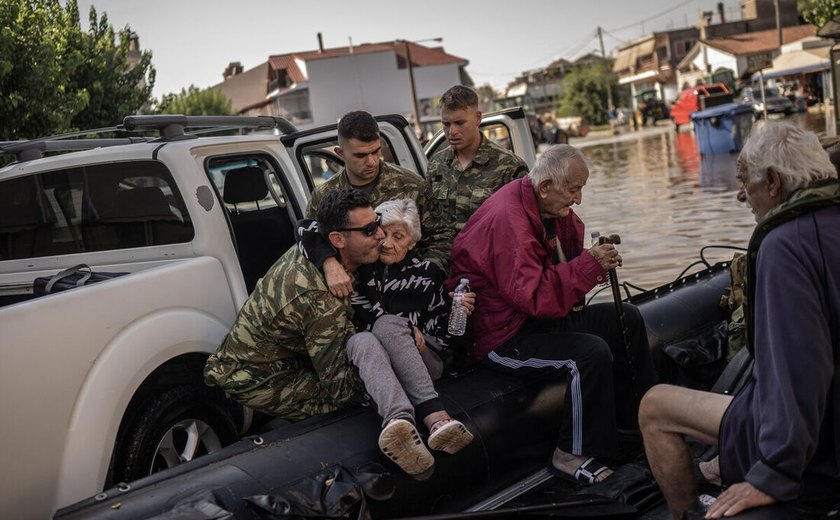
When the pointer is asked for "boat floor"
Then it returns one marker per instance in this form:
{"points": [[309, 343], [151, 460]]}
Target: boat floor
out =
{"points": [[533, 497]]}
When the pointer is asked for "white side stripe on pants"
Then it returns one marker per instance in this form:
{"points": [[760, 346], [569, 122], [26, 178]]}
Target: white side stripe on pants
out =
{"points": [[574, 386]]}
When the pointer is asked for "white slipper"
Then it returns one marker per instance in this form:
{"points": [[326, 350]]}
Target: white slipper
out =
{"points": [[450, 437], [401, 443]]}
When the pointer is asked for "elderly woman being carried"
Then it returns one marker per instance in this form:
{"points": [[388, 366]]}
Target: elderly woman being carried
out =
{"points": [[400, 309]]}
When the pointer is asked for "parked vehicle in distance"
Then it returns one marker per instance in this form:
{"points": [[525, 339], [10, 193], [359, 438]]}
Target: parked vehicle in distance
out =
{"points": [[651, 107], [697, 98], [774, 101]]}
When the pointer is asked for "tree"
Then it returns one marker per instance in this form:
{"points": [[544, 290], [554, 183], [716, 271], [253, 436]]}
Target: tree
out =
{"points": [[818, 12], [55, 77], [195, 102], [585, 92], [35, 57], [117, 85]]}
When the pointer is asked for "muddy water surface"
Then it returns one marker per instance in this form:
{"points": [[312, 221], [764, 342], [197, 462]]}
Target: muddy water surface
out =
{"points": [[666, 201]]}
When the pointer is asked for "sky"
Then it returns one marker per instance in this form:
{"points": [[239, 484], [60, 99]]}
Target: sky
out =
{"points": [[192, 41]]}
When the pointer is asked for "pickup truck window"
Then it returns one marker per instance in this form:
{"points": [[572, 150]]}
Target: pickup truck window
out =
{"points": [[322, 162], [240, 201], [92, 208], [262, 225], [498, 133]]}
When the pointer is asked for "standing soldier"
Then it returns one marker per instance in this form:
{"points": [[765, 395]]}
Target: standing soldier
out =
{"points": [[462, 176]]}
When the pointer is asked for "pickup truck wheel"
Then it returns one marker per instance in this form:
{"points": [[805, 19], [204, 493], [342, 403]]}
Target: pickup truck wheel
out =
{"points": [[174, 427]]}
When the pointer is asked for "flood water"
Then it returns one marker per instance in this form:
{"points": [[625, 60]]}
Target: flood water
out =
{"points": [[666, 201]]}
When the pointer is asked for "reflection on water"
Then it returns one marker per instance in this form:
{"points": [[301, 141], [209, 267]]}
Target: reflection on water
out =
{"points": [[666, 201]]}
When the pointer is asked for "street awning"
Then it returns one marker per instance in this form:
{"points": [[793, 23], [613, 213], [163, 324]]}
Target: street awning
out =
{"points": [[798, 62], [628, 55], [637, 77]]}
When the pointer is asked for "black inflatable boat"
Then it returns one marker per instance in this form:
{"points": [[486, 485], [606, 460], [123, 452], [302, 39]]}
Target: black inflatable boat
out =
{"points": [[331, 464]]}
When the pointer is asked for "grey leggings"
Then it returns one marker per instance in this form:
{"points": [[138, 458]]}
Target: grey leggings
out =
{"points": [[395, 376]]}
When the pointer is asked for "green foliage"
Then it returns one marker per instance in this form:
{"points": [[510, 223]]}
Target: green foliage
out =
{"points": [[195, 102], [818, 12], [117, 85], [585, 92], [56, 78]]}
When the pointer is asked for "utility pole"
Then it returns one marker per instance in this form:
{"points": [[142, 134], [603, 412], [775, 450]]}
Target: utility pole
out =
{"points": [[417, 129], [610, 106], [412, 89], [778, 22]]}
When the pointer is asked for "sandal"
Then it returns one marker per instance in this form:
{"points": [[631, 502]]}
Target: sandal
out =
{"points": [[586, 474], [449, 435], [401, 443]]}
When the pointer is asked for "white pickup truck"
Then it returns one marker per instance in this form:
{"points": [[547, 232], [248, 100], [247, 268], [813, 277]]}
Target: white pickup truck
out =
{"points": [[102, 383]]}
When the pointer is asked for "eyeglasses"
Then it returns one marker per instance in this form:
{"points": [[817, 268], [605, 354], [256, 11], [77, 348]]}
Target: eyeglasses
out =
{"points": [[369, 230]]}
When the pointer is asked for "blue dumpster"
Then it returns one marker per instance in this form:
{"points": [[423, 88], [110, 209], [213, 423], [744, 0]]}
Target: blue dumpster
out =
{"points": [[722, 129]]}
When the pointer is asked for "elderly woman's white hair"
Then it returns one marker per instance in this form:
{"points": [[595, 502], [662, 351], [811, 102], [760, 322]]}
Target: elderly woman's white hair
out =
{"points": [[401, 211], [795, 153]]}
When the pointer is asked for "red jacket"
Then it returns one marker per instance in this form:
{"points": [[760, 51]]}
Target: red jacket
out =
{"points": [[504, 252]]}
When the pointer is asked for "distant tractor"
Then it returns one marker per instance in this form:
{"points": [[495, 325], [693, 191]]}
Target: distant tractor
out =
{"points": [[651, 108]]}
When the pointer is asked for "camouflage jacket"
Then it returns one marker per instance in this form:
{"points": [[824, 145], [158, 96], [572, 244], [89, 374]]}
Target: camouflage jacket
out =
{"points": [[457, 192], [290, 314], [393, 182]]}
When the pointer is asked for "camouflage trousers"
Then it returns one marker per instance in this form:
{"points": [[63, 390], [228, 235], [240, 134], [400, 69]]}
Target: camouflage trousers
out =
{"points": [[291, 393]]}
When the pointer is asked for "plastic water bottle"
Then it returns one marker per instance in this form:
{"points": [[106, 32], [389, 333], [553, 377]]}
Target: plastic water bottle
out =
{"points": [[458, 317]]}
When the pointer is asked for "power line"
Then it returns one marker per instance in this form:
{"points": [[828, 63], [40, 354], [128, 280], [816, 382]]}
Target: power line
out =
{"points": [[614, 37], [569, 51], [670, 9], [574, 49]]}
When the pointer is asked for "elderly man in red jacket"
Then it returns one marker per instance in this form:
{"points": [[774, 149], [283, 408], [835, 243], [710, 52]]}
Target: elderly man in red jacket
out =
{"points": [[523, 254]]}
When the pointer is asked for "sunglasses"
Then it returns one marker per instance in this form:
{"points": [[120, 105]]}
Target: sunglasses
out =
{"points": [[369, 230]]}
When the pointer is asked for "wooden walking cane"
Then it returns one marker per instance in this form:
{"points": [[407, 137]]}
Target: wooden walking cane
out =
{"points": [[622, 322]]}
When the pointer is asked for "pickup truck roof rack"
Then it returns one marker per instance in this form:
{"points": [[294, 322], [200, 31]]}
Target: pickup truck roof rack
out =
{"points": [[170, 127]]}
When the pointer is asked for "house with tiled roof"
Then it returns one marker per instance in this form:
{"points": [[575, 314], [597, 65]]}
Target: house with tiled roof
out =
{"points": [[316, 87], [739, 53], [246, 89], [542, 85], [649, 63], [656, 62]]}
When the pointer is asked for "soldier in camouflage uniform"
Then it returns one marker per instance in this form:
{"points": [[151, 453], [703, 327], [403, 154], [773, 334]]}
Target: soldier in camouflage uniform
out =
{"points": [[364, 169], [285, 355], [461, 177]]}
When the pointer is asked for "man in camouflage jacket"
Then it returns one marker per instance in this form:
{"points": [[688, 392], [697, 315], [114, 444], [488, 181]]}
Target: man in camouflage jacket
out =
{"points": [[285, 354], [364, 169], [461, 177]]}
